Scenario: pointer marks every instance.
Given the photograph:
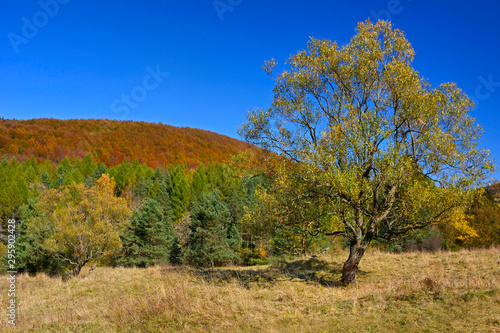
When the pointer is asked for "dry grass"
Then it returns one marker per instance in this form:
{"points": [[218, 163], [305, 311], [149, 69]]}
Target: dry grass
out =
{"points": [[413, 292]]}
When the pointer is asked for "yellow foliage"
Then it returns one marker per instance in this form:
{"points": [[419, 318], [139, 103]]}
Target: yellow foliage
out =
{"points": [[3, 249], [84, 222], [465, 233], [261, 251]]}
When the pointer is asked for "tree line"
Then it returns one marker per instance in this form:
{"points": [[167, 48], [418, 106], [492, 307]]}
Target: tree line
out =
{"points": [[81, 212]]}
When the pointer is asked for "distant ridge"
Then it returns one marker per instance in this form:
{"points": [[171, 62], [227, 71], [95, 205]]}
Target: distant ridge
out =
{"points": [[112, 141]]}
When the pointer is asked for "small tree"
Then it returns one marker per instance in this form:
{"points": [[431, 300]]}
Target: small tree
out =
{"points": [[31, 256], [82, 224], [368, 148], [215, 239]]}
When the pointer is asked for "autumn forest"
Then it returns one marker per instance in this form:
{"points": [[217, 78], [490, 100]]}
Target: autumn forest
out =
{"points": [[360, 199]]}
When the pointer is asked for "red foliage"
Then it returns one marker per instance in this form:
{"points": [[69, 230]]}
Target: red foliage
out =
{"points": [[112, 141]]}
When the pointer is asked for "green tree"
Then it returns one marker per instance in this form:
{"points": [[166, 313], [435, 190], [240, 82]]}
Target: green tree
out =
{"points": [[143, 189], [29, 172], [150, 237], [99, 171], [73, 176], [124, 176], [64, 167], [14, 190], [179, 191], [218, 179], [31, 256], [366, 140], [214, 240], [45, 178], [87, 166], [199, 184]]}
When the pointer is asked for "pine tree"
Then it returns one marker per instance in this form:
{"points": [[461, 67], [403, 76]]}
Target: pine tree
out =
{"points": [[163, 199], [150, 237], [142, 190], [99, 171], [64, 167], [213, 242], [31, 257], [176, 252], [29, 173], [45, 178], [73, 176], [96, 174]]}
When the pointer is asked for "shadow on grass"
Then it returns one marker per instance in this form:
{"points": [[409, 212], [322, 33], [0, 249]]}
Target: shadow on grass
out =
{"points": [[313, 271]]}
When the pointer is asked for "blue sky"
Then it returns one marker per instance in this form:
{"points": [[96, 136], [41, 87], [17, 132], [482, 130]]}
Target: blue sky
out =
{"points": [[198, 63]]}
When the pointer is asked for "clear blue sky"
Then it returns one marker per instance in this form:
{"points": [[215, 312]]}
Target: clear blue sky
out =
{"points": [[78, 59]]}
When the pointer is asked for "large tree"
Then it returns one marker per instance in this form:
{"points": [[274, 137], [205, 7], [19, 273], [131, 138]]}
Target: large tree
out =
{"points": [[366, 141]]}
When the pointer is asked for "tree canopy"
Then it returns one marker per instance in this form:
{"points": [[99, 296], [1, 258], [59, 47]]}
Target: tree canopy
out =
{"points": [[367, 147], [83, 223]]}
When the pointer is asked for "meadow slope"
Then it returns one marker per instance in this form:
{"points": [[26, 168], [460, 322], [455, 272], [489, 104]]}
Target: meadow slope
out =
{"points": [[411, 292]]}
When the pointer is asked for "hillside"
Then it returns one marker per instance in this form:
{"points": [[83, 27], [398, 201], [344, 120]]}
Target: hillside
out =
{"points": [[112, 141]]}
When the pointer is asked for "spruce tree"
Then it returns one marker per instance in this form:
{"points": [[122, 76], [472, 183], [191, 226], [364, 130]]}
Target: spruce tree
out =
{"points": [[163, 198], [45, 178], [99, 171], [214, 240], [150, 237], [31, 257]]}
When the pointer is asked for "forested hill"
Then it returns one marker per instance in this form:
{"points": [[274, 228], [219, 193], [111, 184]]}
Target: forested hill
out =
{"points": [[112, 141]]}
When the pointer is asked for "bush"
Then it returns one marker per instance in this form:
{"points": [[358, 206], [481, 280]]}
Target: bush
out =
{"points": [[433, 243], [258, 261], [411, 246]]}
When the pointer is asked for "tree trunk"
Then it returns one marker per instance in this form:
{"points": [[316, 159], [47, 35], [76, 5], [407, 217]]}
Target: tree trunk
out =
{"points": [[76, 270], [356, 252], [303, 246], [92, 268]]}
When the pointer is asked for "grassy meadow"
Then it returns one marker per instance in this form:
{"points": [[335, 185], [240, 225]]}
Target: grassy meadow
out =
{"points": [[410, 292]]}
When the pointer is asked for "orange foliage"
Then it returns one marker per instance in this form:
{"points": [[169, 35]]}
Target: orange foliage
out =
{"points": [[112, 141]]}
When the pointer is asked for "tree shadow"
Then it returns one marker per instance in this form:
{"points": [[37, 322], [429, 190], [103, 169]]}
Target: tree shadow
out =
{"points": [[314, 271]]}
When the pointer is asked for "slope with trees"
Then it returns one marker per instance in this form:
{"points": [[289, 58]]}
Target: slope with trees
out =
{"points": [[114, 141]]}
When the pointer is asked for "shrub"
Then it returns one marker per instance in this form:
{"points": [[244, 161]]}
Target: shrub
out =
{"points": [[411, 246], [433, 243]]}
